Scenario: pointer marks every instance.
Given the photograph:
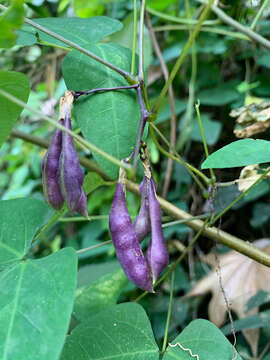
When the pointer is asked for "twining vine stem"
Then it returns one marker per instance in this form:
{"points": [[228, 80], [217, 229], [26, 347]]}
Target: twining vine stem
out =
{"points": [[79, 139], [165, 72], [165, 339], [212, 233], [182, 56], [235, 24], [130, 79]]}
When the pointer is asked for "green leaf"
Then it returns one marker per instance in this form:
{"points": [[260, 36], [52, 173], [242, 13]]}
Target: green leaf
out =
{"points": [[165, 113], [92, 181], [11, 19], [260, 298], [110, 120], [220, 95], [264, 60], [122, 332], [81, 31], [89, 273], [201, 338], [125, 38], [36, 298], [19, 221], [251, 322], [239, 153], [102, 293], [211, 129], [17, 84], [260, 214]]}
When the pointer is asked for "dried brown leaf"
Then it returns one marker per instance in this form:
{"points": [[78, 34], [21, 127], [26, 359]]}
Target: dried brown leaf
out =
{"points": [[241, 278]]}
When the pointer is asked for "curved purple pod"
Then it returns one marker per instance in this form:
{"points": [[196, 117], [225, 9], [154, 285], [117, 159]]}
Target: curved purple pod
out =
{"points": [[81, 206], [71, 174], [50, 171], [142, 223], [126, 243], [157, 254]]}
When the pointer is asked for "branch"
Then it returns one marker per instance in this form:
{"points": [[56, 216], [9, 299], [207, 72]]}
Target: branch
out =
{"points": [[212, 233], [182, 56], [79, 139], [235, 24], [88, 164], [73, 45], [165, 72]]}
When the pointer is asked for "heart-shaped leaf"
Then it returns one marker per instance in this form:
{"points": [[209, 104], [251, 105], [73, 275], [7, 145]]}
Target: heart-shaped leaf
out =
{"points": [[16, 84], [110, 120]]}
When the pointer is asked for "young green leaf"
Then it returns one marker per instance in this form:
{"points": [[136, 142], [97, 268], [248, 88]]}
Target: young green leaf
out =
{"points": [[109, 120], [201, 340], [19, 221], [84, 31], [17, 84], [36, 298], [11, 19], [239, 153], [121, 332]]}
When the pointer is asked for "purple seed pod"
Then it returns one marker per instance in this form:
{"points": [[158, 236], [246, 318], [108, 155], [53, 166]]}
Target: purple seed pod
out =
{"points": [[71, 174], [157, 253], [81, 207], [126, 243], [50, 174], [142, 223]]}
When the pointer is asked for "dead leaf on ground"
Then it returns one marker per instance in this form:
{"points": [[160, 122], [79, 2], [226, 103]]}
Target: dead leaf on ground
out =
{"points": [[241, 279], [248, 176], [252, 119]]}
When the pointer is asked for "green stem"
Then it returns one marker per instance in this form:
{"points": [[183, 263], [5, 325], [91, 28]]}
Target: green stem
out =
{"points": [[80, 140], [259, 14], [188, 119], [82, 218], [73, 45], [239, 197], [208, 29], [169, 314], [134, 38], [46, 43], [52, 220], [182, 56], [173, 211], [81, 251], [189, 167], [141, 37], [180, 20], [176, 222], [197, 107], [236, 25]]}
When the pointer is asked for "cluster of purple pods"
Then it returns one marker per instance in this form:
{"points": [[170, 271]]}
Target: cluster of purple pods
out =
{"points": [[62, 179], [62, 176], [142, 270]]}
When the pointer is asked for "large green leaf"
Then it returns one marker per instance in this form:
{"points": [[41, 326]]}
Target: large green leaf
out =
{"points": [[36, 298], [239, 153], [201, 338], [220, 95], [122, 332], [80, 31], [251, 322], [11, 19], [17, 84], [125, 38], [102, 293], [109, 120], [19, 221]]}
